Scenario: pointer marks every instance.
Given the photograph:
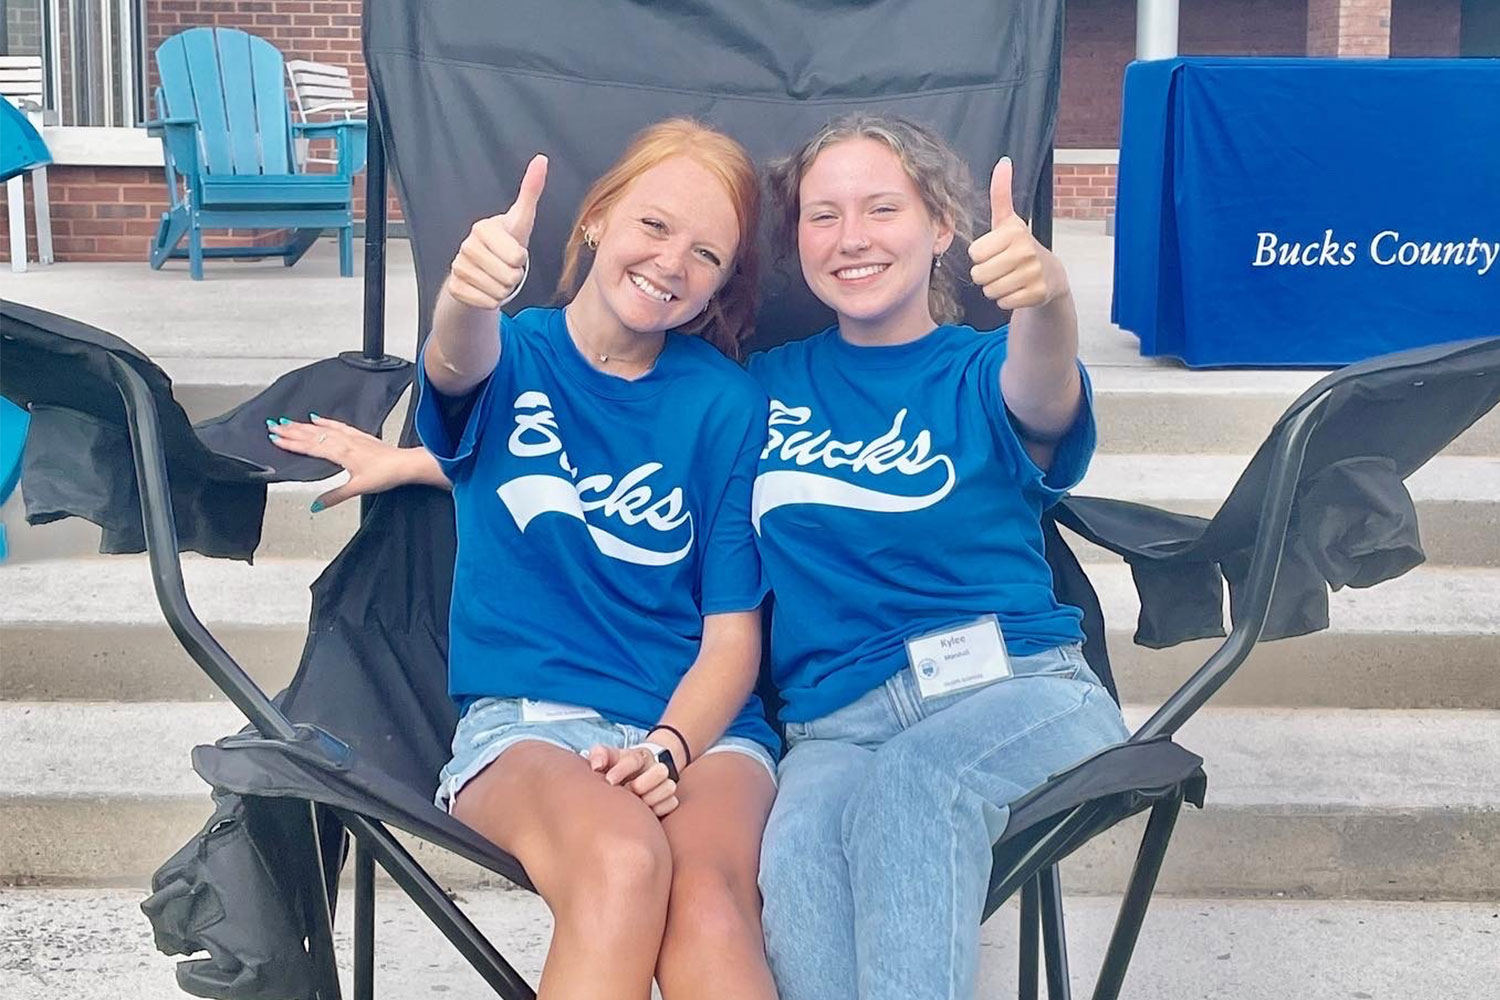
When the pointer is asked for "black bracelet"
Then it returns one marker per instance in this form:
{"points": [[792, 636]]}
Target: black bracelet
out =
{"points": [[687, 750]]}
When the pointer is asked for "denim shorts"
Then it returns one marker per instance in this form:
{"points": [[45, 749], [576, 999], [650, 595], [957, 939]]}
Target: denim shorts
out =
{"points": [[492, 726]]}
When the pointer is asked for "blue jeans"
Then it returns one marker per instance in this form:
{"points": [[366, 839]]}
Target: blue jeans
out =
{"points": [[876, 858]]}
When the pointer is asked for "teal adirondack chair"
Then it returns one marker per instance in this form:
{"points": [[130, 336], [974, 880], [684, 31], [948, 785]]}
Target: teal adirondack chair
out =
{"points": [[229, 141]]}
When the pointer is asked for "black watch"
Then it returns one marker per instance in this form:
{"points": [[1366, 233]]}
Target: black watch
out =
{"points": [[665, 756]]}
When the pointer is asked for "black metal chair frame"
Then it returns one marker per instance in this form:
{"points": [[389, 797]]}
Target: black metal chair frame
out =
{"points": [[1033, 873]]}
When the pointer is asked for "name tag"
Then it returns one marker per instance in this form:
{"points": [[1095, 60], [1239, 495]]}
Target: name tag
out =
{"points": [[533, 710], [959, 658]]}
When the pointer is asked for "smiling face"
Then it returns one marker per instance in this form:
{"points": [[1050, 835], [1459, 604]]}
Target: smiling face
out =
{"points": [[867, 241], [666, 246]]}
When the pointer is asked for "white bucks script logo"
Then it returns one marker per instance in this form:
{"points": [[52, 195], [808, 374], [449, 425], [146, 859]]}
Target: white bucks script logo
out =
{"points": [[631, 499], [899, 462]]}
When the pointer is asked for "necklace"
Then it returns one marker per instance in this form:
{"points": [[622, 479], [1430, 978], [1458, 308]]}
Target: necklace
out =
{"points": [[644, 363], [603, 358]]}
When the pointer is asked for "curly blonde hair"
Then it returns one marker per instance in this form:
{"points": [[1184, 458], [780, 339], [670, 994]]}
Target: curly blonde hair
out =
{"points": [[941, 177]]}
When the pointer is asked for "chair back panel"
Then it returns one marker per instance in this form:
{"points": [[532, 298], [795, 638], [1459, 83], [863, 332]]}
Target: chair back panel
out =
{"points": [[231, 83], [320, 87], [21, 80]]}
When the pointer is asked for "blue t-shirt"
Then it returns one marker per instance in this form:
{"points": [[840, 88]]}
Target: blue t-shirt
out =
{"points": [[894, 498], [598, 521]]}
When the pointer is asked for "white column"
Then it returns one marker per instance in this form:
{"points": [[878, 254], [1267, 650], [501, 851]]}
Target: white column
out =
{"points": [[43, 206], [15, 194], [1155, 29]]}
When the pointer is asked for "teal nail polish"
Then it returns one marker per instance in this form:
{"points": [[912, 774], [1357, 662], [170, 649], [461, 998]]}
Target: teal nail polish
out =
{"points": [[270, 422], [284, 420], [317, 505], [313, 416], [273, 437]]}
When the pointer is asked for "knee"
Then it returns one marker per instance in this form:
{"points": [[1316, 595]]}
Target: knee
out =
{"points": [[796, 841], [618, 872], [900, 787], [712, 909]]}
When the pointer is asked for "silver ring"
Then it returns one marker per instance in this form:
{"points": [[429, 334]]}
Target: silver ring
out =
{"points": [[525, 273], [322, 438]]}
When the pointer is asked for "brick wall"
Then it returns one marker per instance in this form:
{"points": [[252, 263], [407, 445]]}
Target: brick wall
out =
{"points": [[1426, 27], [1349, 28], [23, 27], [1083, 190]]}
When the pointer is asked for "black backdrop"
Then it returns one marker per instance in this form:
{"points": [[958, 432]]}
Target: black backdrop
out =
{"points": [[469, 90]]}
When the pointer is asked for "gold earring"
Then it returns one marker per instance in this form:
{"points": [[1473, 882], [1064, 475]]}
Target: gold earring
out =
{"points": [[590, 240]]}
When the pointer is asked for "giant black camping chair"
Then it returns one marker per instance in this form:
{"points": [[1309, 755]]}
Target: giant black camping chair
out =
{"points": [[353, 746]]}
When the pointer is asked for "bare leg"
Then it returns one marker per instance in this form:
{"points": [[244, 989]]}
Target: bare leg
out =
{"points": [[597, 856], [713, 945]]}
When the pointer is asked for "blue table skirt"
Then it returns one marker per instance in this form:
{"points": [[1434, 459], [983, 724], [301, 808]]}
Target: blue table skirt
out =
{"points": [[1307, 212]]}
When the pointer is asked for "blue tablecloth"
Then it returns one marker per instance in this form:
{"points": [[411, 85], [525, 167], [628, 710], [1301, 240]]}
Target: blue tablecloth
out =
{"points": [[1286, 212]]}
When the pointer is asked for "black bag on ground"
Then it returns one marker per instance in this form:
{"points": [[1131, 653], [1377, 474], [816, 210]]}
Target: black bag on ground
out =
{"points": [[224, 895]]}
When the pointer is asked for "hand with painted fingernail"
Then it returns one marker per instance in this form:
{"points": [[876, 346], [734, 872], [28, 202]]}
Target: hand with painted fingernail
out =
{"points": [[373, 465], [1014, 270]]}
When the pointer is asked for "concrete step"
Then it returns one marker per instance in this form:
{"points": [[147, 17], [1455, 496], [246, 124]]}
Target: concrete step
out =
{"points": [[93, 944], [1320, 803], [1164, 409], [91, 629], [1457, 497]]}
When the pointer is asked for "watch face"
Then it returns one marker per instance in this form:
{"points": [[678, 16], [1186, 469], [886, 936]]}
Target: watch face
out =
{"points": [[665, 756]]}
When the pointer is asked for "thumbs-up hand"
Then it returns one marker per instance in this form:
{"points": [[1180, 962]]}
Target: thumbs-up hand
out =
{"points": [[491, 261], [1013, 269]]}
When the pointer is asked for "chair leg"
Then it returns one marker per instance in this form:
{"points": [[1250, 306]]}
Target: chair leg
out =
{"points": [[346, 251], [43, 206], [1137, 897], [430, 898], [319, 914], [1054, 936], [195, 250], [1027, 988], [364, 922], [169, 232], [15, 196], [301, 241]]}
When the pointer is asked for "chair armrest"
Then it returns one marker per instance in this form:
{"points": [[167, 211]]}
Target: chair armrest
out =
{"points": [[1265, 560], [157, 126], [314, 130], [159, 525], [351, 135]]}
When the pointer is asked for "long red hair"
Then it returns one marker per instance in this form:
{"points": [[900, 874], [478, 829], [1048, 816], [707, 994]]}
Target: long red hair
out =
{"points": [[730, 315]]}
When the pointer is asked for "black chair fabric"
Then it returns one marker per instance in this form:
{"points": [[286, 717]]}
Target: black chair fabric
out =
{"points": [[1355, 523], [78, 460]]}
